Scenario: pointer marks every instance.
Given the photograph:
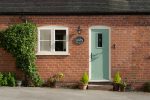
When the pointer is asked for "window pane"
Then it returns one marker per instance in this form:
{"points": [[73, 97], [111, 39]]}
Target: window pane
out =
{"points": [[45, 34], [100, 40], [60, 45], [45, 45], [60, 34]]}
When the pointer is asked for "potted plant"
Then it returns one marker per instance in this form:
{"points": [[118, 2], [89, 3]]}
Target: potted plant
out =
{"points": [[116, 82], [52, 81], [84, 81], [19, 83], [122, 86]]}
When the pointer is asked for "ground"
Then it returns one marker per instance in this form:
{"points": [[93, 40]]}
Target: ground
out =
{"points": [[23, 93]]}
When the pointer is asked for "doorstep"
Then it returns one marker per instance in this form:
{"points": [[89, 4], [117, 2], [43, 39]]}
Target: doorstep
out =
{"points": [[100, 86]]}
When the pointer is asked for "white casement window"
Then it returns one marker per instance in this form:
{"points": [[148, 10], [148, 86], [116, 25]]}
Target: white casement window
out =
{"points": [[52, 40]]}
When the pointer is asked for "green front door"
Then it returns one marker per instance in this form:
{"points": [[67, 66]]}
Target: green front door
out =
{"points": [[99, 54]]}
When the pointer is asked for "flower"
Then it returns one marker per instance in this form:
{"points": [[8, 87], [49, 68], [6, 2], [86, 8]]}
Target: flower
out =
{"points": [[61, 75]]}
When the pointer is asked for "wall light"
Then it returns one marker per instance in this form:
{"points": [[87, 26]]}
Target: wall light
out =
{"points": [[79, 30]]}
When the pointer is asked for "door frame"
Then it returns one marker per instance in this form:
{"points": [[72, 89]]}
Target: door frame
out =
{"points": [[99, 27]]}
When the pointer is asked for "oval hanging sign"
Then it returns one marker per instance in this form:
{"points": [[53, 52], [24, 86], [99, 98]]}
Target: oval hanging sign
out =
{"points": [[79, 40]]}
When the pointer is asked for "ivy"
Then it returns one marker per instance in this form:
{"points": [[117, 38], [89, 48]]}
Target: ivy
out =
{"points": [[20, 40]]}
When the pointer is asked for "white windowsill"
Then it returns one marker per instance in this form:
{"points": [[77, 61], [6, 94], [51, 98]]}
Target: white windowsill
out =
{"points": [[56, 53]]}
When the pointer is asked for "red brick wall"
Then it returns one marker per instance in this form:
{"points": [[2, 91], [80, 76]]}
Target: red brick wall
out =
{"points": [[130, 34], [7, 64]]}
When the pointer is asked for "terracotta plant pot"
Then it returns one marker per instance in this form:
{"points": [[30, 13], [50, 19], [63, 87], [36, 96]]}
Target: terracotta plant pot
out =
{"points": [[83, 86], [115, 87], [53, 84], [122, 89]]}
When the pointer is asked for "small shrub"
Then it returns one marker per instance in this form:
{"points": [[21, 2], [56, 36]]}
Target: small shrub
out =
{"points": [[7, 79], [117, 78], [11, 79], [1, 79], [5, 83], [122, 86], [84, 79], [147, 87], [54, 79], [116, 82]]}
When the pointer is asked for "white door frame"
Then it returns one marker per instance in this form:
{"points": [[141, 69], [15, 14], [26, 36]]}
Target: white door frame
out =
{"points": [[99, 27]]}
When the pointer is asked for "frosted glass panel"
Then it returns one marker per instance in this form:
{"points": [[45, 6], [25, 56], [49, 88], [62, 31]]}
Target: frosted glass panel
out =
{"points": [[45, 45], [45, 34]]}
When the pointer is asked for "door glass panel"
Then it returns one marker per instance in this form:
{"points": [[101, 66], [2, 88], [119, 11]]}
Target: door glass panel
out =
{"points": [[100, 42]]}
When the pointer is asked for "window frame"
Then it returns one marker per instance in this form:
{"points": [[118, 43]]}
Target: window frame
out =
{"points": [[52, 51]]}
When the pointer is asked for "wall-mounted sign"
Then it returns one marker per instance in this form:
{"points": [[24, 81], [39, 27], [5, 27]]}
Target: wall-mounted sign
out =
{"points": [[79, 40]]}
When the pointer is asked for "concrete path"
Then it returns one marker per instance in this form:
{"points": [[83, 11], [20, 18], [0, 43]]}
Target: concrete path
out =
{"points": [[23, 93]]}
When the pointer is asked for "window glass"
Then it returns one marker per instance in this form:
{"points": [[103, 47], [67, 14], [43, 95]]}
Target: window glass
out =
{"points": [[45, 45], [60, 46], [60, 34], [60, 40], [100, 42], [45, 34]]}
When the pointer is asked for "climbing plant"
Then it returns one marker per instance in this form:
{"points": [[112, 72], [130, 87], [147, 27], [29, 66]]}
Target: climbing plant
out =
{"points": [[20, 40]]}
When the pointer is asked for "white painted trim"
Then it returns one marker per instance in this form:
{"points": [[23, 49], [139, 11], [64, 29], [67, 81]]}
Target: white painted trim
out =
{"points": [[89, 54], [53, 52], [100, 81], [52, 27], [57, 53], [99, 27]]}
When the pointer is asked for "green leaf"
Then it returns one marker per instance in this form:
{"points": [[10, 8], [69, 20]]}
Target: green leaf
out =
{"points": [[20, 40]]}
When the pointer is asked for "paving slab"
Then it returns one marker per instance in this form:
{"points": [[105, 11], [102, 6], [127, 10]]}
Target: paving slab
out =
{"points": [[36, 93]]}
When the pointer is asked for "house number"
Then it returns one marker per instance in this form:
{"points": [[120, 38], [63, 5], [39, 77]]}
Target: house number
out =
{"points": [[79, 40]]}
